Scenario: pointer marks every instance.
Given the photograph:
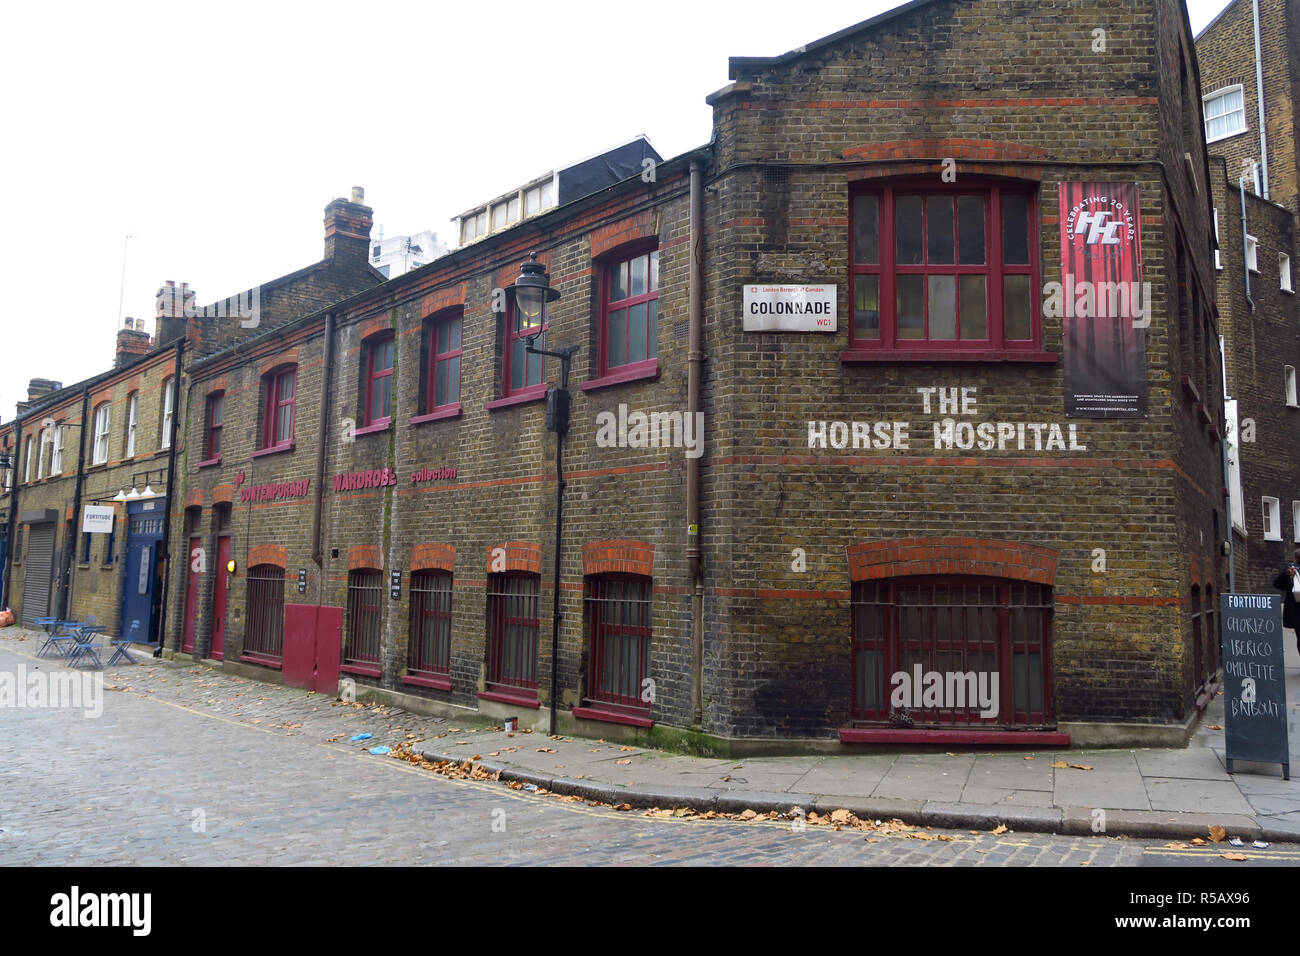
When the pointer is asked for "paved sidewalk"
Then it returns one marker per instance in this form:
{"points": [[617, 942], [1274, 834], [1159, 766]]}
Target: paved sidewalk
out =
{"points": [[1144, 792]]}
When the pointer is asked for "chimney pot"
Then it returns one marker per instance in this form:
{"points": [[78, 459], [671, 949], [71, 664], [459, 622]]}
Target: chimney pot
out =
{"points": [[358, 194]]}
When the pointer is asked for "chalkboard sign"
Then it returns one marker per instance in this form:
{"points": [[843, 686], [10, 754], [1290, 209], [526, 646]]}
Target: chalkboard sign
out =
{"points": [[1254, 692]]}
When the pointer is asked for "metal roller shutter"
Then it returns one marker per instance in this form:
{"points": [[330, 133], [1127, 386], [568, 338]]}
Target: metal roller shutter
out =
{"points": [[39, 573]]}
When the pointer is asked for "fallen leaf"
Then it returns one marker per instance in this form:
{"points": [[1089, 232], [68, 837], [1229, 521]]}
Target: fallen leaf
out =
{"points": [[725, 779], [1197, 841], [842, 816], [622, 762], [1218, 834], [1030, 757], [1080, 766], [628, 749], [1060, 765], [546, 750], [748, 815], [624, 806], [1176, 846], [495, 753], [1000, 828], [1239, 857]]}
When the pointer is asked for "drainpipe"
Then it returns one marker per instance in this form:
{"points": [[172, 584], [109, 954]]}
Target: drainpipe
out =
{"points": [[694, 360], [1259, 89], [1245, 244], [322, 434], [160, 612], [70, 542], [13, 505]]}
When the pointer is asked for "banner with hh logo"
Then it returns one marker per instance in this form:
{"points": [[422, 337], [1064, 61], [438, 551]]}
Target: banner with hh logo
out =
{"points": [[1104, 305]]}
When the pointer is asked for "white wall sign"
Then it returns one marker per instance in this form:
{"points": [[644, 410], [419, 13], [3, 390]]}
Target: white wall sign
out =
{"points": [[790, 308], [98, 519]]}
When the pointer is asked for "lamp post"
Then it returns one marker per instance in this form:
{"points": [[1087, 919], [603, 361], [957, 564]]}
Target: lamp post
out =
{"points": [[532, 291]]}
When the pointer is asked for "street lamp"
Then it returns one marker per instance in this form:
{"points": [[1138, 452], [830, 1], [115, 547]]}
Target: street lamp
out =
{"points": [[532, 291]]}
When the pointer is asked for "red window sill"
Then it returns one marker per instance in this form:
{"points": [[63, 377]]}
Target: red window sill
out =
{"points": [[210, 462], [523, 698], [1190, 388], [272, 662], [631, 373], [379, 426], [427, 680], [451, 411], [365, 670], [273, 450], [611, 717], [533, 394], [1010, 738], [865, 356]]}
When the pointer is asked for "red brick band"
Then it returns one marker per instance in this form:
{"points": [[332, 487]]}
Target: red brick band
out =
{"points": [[433, 557], [441, 299], [283, 358], [608, 238], [978, 556], [515, 556], [614, 557], [272, 554], [365, 556]]}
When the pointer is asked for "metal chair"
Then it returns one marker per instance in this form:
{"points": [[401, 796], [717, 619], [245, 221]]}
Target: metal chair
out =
{"points": [[85, 649]]}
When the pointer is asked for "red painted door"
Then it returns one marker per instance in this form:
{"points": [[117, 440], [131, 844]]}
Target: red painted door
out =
{"points": [[191, 597], [219, 598]]}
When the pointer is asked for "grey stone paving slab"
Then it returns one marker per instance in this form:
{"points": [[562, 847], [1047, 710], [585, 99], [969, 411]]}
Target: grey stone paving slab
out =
{"points": [[847, 774], [994, 796], [918, 778], [1196, 796], [1011, 773], [1113, 782], [1193, 763]]}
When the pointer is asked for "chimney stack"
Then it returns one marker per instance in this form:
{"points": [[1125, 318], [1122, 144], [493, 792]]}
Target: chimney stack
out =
{"points": [[37, 389], [347, 228], [132, 342], [172, 300]]}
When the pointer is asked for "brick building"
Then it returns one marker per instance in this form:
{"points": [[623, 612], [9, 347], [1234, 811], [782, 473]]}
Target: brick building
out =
{"points": [[947, 472], [108, 441], [1257, 201]]}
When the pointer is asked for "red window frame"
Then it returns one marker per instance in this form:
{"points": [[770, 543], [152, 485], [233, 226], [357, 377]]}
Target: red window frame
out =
{"points": [[448, 358], [382, 344], [273, 435], [365, 617], [623, 308], [513, 628], [213, 419], [429, 639], [619, 632], [888, 270], [513, 342], [884, 643]]}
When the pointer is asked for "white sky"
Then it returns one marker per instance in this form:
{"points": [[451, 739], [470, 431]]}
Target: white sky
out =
{"points": [[216, 135]]}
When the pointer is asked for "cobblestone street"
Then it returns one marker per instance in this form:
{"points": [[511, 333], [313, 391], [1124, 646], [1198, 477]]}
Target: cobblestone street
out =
{"points": [[187, 765]]}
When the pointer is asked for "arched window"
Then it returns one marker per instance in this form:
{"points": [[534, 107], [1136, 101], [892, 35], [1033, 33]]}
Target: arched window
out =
{"points": [[279, 388], [618, 633], [377, 357], [264, 633], [365, 616], [429, 639], [99, 455], [512, 632], [939, 651]]}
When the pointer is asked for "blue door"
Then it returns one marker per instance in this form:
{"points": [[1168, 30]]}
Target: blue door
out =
{"points": [[143, 536]]}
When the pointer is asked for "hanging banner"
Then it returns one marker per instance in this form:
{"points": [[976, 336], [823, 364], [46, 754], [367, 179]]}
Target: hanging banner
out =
{"points": [[1103, 303]]}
